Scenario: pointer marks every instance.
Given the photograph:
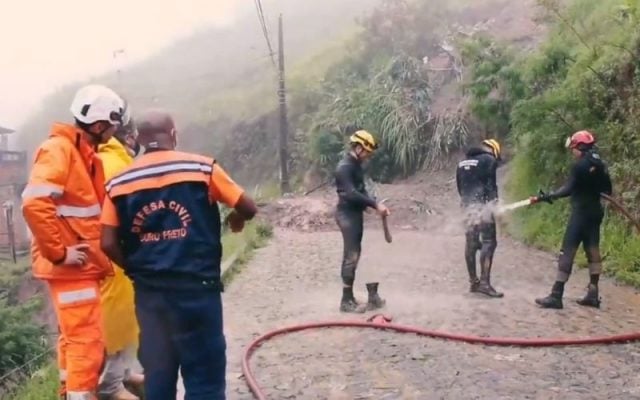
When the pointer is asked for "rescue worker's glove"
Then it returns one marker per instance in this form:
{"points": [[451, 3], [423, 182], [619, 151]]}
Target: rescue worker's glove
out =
{"points": [[76, 255], [542, 196]]}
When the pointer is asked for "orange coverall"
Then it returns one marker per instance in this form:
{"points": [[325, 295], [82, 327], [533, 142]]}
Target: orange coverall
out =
{"points": [[62, 205]]}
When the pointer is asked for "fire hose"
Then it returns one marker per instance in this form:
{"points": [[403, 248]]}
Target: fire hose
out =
{"points": [[382, 322], [615, 203], [618, 206]]}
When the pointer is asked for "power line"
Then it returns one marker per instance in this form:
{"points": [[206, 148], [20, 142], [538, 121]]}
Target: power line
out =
{"points": [[25, 365], [265, 30]]}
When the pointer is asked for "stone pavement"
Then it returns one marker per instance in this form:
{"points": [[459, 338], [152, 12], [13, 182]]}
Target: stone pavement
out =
{"points": [[422, 274]]}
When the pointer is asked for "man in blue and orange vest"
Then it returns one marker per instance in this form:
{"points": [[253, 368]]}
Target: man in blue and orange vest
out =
{"points": [[161, 223]]}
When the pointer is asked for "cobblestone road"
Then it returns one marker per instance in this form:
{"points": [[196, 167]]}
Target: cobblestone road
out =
{"points": [[422, 274]]}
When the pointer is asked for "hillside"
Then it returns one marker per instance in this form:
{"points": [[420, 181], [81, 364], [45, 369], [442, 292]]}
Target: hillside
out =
{"points": [[228, 109], [190, 75]]}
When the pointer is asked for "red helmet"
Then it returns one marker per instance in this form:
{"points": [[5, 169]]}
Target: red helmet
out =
{"points": [[578, 138]]}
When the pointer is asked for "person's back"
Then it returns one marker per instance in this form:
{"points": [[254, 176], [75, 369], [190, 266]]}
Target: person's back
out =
{"points": [[161, 222], [477, 185], [476, 177], [171, 232], [590, 179]]}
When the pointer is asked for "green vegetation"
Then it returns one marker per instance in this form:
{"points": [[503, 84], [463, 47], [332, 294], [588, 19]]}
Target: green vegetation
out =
{"points": [[585, 76], [43, 385], [383, 86], [242, 245], [23, 344]]}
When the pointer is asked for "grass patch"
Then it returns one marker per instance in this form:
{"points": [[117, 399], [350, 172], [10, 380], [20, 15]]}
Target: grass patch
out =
{"points": [[23, 349], [11, 274], [43, 385], [242, 245]]}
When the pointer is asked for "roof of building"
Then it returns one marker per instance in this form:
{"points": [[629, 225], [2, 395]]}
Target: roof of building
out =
{"points": [[4, 130]]}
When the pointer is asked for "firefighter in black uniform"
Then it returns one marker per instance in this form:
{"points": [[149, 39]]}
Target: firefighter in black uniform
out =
{"points": [[588, 178], [353, 200], [478, 190]]}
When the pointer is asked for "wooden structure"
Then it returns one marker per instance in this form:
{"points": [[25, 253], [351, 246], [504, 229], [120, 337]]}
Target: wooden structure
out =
{"points": [[13, 177]]}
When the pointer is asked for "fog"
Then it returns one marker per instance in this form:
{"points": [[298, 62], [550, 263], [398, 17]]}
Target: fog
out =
{"points": [[199, 62], [46, 44]]}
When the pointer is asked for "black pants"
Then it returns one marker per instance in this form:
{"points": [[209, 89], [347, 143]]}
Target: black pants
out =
{"points": [[480, 235], [181, 330], [582, 228], [351, 226]]}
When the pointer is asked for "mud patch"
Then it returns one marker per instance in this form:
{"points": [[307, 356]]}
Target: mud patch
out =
{"points": [[306, 214]]}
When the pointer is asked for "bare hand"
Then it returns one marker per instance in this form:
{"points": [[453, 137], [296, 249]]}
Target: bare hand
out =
{"points": [[235, 221], [382, 210], [76, 255]]}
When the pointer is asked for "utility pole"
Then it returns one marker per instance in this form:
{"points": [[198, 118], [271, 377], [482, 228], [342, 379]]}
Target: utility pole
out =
{"points": [[118, 66], [284, 122]]}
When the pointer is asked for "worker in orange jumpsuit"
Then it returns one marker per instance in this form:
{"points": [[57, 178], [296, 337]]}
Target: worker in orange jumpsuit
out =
{"points": [[62, 205], [162, 223], [120, 323]]}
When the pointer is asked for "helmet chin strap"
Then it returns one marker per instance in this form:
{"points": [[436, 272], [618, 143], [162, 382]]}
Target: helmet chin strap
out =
{"points": [[98, 137], [133, 152]]}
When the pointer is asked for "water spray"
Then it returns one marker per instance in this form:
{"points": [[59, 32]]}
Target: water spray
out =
{"points": [[501, 209], [616, 204], [513, 206]]}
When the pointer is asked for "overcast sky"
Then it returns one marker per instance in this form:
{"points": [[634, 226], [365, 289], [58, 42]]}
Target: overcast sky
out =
{"points": [[45, 44]]}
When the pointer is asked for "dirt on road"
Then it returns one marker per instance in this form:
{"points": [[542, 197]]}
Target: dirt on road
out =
{"points": [[423, 277]]}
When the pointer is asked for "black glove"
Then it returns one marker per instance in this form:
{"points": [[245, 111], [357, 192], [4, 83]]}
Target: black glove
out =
{"points": [[542, 196]]}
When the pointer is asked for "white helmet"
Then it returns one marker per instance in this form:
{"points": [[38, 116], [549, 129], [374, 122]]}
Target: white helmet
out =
{"points": [[93, 103]]}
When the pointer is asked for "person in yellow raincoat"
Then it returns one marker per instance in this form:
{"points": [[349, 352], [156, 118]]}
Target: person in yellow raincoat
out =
{"points": [[120, 323]]}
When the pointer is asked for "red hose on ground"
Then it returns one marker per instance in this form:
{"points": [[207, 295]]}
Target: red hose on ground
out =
{"points": [[493, 341]]}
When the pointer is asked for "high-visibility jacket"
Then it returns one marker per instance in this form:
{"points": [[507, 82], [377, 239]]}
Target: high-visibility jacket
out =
{"points": [[165, 208], [62, 203], [118, 307]]}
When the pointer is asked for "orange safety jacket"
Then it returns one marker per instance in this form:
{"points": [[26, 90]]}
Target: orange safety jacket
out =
{"points": [[62, 204]]}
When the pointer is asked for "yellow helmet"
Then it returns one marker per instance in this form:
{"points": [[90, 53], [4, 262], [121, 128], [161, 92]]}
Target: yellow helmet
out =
{"points": [[494, 146], [365, 139]]}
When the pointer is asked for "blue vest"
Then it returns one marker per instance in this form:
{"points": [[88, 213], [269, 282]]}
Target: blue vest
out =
{"points": [[169, 226]]}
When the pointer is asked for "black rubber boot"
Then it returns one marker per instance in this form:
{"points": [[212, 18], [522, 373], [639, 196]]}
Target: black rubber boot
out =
{"points": [[473, 285], [352, 306], [488, 290], [591, 299], [349, 304], [485, 287], [554, 300], [375, 301]]}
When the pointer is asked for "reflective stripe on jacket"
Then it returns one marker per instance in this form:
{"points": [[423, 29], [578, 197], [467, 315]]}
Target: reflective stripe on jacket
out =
{"points": [[169, 222], [62, 203]]}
